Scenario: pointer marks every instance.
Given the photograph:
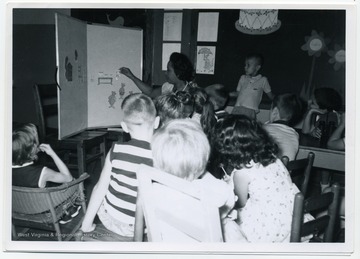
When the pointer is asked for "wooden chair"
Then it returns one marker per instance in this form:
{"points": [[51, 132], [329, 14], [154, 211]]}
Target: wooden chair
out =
{"points": [[324, 224], [42, 208], [174, 211], [79, 150], [300, 171]]}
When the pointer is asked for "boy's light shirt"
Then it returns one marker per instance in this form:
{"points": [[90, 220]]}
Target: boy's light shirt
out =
{"points": [[251, 90]]}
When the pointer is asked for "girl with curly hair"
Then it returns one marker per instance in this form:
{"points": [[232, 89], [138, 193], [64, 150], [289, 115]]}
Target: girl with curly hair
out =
{"points": [[261, 182]]}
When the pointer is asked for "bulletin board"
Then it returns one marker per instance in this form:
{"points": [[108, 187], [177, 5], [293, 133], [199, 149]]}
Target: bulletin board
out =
{"points": [[91, 89]]}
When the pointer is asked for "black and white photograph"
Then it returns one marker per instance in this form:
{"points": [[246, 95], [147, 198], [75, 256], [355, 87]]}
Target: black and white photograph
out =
{"points": [[193, 128]]}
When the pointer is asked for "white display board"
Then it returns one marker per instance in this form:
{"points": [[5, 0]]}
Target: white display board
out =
{"points": [[88, 58]]}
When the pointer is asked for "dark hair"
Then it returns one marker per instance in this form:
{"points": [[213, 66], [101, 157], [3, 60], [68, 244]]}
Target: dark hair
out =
{"points": [[258, 57], [328, 98], [25, 143], [204, 107], [183, 67], [177, 105], [218, 95], [237, 140], [290, 106]]}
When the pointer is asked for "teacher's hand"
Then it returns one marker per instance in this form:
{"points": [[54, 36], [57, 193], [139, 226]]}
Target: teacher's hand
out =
{"points": [[127, 72]]}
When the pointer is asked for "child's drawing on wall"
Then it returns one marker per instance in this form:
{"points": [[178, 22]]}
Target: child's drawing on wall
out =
{"points": [[205, 60]]}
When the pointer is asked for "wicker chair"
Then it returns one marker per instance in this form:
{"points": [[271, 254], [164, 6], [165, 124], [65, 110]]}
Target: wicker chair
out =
{"points": [[42, 208]]}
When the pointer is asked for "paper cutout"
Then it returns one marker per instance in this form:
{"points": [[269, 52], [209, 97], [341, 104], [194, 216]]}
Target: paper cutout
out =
{"points": [[68, 70], [118, 21], [337, 57], [105, 81], [122, 91], [80, 75], [112, 99]]}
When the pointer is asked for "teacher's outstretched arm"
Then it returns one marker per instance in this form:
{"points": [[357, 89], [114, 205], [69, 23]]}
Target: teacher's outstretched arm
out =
{"points": [[145, 88]]}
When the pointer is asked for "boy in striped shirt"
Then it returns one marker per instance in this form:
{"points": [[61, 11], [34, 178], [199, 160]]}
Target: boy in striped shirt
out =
{"points": [[114, 196]]}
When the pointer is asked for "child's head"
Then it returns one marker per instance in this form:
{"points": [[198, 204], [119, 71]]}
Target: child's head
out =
{"points": [[237, 140], [218, 95], [326, 98], [179, 67], [171, 106], [138, 112], [25, 142], [204, 107], [253, 63], [287, 107], [181, 148]]}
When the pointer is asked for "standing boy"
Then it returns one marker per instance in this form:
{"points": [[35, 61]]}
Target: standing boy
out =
{"points": [[114, 196], [251, 87]]}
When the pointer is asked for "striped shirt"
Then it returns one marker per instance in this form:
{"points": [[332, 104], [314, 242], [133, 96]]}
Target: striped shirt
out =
{"points": [[120, 199]]}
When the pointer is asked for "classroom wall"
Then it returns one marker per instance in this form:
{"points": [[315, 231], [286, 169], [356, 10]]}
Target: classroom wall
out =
{"points": [[286, 65]]}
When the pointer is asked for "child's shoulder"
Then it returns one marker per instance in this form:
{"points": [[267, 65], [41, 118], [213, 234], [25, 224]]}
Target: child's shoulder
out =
{"points": [[212, 182]]}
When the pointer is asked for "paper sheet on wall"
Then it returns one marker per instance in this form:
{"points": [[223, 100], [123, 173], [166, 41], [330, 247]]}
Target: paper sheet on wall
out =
{"points": [[169, 48], [172, 26], [205, 60], [208, 27]]}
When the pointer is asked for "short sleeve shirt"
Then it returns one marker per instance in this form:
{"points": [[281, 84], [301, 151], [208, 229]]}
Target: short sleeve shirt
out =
{"points": [[251, 90]]}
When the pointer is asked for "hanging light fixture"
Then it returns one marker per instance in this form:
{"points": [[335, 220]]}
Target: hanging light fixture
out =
{"points": [[258, 21]]}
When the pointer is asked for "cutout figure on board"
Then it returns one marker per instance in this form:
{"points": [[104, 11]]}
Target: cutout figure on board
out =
{"points": [[112, 99], [68, 70], [122, 91]]}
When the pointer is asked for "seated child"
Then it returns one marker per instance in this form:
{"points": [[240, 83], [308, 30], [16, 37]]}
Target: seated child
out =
{"points": [[321, 117], [182, 149], [260, 180], [114, 196], [178, 105], [203, 109], [251, 87], [337, 140], [27, 173], [219, 96], [286, 111], [323, 107]]}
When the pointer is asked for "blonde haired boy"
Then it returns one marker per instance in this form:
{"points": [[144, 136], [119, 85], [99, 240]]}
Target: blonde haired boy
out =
{"points": [[181, 148]]}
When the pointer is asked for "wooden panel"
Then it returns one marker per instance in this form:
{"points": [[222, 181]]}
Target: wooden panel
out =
{"points": [[324, 158]]}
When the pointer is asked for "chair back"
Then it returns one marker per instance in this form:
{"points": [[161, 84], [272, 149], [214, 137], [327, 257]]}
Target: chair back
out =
{"points": [[27, 200], [324, 224], [300, 171], [45, 96], [43, 207], [174, 210]]}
